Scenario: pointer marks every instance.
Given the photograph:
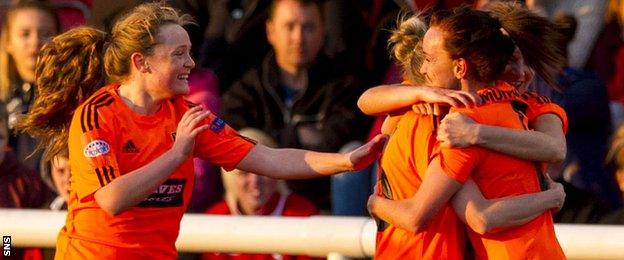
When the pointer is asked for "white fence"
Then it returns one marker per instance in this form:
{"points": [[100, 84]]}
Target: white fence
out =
{"points": [[315, 236]]}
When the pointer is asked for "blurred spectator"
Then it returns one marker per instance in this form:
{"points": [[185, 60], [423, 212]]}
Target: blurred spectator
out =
{"points": [[615, 163], [608, 59], [604, 54], [585, 100], [72, 13], [26, 27], [234, 38], [249, 194], [296, 95], [55, 173], [20, 187], [204, 90], [590, 16]]}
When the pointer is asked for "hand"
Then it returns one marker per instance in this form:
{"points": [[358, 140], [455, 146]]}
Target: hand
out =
{"points": [[188, 128], [425, 109], [364, 155], [370, 204], [389, 124], [429, 108], [558, 193], [454, 98], [457, 130]]}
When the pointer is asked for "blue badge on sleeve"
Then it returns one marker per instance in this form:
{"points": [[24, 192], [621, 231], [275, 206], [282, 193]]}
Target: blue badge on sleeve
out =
{"points": [[217, 125]]}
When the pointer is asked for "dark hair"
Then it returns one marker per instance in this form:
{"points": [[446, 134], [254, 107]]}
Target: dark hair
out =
{"points": [[536, 37], [477, 37], [87, 56], [566, 25], [273, 6]]}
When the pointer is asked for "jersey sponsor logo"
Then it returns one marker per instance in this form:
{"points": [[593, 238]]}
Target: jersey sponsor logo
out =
{"points": [[217, 125], [96, 148], [168, 194], [129, 147], [498, 95]]}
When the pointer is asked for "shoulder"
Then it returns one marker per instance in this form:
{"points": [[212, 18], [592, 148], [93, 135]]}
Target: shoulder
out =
{"points": [[100, 108]]}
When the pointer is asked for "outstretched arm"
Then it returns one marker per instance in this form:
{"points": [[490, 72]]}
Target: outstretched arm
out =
{"points": [[547, 143], [414, 213], [386, 99], [302, 164], [483, 215]]}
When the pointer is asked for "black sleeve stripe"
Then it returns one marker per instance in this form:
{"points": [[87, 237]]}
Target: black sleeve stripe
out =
{"points": [[90, 110], [112, 172], [99, 175], [100, 98], [82, 121], [89, 125], [95, 113], [105, 173]]}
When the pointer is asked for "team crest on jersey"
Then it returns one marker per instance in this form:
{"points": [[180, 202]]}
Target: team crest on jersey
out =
{"points": [[96, 148], [217, 125]]}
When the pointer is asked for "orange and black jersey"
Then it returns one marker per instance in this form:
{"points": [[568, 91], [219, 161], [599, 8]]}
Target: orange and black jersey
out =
{"points": [[107, 140]]}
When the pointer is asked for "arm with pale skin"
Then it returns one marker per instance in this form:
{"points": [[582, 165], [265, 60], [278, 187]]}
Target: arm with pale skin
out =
{"points": [[414, 213], [131, 188], [483, 215], [547, 143], [478, 213], [389, 99], [303, 164]]}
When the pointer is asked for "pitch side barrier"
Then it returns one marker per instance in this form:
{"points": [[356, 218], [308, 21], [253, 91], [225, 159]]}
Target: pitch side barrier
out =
{"points": [[334, 237]]}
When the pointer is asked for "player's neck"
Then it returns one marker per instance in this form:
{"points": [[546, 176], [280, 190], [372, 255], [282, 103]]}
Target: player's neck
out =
{"points": [[138, 100], [473, 86]]}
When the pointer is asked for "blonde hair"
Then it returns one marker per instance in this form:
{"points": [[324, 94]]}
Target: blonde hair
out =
{"points": [[406, 46], [87, 57], [8, 70]]}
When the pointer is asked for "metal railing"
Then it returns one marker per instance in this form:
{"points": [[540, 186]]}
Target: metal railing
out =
{"points": [[335, 237]]}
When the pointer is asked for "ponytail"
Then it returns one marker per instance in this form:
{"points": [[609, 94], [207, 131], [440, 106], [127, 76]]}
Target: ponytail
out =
{"points": [[68, 71], [406, 47], [536, 37]]}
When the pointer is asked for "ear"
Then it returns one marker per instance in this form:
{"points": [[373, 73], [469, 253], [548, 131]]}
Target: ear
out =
{"points": [[139, 63], [270, 31], [460, 68]]}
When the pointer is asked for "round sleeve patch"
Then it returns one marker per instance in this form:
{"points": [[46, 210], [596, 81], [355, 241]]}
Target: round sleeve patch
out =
{"points": [[96, 148]]}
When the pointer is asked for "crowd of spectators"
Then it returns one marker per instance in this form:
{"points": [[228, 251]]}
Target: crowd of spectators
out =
{"points": [[290, 71]]}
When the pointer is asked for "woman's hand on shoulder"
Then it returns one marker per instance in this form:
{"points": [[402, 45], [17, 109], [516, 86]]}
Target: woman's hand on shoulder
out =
{"points": [[453, 98], [188, 128], [458, 130]]}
